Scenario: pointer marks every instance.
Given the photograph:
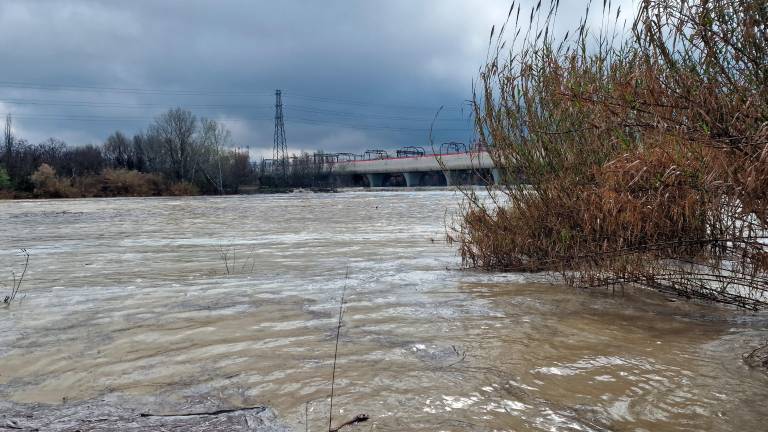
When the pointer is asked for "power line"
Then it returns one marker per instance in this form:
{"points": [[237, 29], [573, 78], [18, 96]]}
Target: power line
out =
{"points": [[58, 117], [302, 108], [364, 103], [323, 113], [205, 92], [377, 127], [365, 115], [69, 87], [319, 116], [302, 120], [88, 104]]}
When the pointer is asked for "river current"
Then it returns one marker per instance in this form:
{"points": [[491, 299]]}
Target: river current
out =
{"points": [[237, 298]]}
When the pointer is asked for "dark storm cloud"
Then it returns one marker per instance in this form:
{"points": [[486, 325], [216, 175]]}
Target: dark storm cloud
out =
{"points": [[356, 74]]}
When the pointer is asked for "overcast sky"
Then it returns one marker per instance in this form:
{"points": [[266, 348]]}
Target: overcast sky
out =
{"points": [[355, 74]]}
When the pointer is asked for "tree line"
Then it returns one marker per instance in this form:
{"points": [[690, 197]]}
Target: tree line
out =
{"points": [[178, 153]]}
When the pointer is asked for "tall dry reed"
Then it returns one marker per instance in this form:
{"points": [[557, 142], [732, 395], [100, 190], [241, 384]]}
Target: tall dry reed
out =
{"points": [[644, 148]]}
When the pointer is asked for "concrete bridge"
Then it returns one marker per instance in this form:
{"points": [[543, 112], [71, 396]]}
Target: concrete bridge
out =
{"points": [[417, 170]]}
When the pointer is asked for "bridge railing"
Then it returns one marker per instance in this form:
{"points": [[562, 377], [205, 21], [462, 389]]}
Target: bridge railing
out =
{"points": [[324, 162]]}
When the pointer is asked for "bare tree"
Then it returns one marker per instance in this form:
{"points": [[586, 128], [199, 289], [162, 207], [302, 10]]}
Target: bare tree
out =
{"points": [[118, 151], [51, 150], [176, 131], [81, 160], [139, 152], [214, 136], [8, 136], [8, 140], [150, 154]]}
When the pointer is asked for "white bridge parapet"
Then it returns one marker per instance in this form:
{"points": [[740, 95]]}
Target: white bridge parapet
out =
{"points": [[412, 167]]}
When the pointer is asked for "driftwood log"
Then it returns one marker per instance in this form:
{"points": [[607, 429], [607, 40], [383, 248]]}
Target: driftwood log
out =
{"points": [[758, 358], [100, 415], [356, 419]]}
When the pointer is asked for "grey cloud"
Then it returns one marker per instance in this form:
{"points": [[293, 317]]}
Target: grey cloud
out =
{"points": [[392, 55]]}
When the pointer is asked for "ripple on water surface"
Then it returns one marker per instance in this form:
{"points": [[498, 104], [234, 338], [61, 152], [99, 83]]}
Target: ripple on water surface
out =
{"points": [[132, 296]]}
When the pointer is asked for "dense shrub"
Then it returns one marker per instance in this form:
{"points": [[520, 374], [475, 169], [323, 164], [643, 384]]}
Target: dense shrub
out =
{"points": [[646, 158], [5, 180], [49, 185], [183, 189], [123, 182]]}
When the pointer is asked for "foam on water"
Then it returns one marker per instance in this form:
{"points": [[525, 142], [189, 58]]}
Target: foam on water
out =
{"points": [[132, 297]]}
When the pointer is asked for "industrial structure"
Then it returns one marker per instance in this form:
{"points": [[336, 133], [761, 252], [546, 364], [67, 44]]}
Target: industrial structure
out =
{"points": [[452, 163], [408, 166], [280, 149], [419, 168]]}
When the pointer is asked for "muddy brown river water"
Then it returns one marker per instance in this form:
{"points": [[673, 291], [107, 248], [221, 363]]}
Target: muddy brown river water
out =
{"points": [[132, 297]]}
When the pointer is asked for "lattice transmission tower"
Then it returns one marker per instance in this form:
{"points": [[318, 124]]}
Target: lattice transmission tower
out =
{"points": [[279, 150]]}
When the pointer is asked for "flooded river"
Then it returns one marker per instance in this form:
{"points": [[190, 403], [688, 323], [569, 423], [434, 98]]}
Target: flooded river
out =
{"points": [[133, 297]]}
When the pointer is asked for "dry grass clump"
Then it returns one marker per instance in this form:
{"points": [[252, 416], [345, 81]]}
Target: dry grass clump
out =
{"points": [[110, 182], [123, 182], [183, 189], [646, 153], [49, 185]]}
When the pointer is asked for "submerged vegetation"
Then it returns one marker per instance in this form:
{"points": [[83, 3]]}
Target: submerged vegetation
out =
{"points": [[645, 147], [17, 279]]}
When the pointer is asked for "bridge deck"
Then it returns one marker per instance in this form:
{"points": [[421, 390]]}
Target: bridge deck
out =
{"points": [[431, 162]]}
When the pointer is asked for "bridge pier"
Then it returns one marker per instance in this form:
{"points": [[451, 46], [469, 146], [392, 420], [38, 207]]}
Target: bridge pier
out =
{"points": [[375, 180], [433, 170], [497, 177], [448, 178], [412, 179]]}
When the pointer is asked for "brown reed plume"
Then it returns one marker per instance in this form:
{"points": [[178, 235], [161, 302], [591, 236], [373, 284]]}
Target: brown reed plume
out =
{"points": [[643, 151]]}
